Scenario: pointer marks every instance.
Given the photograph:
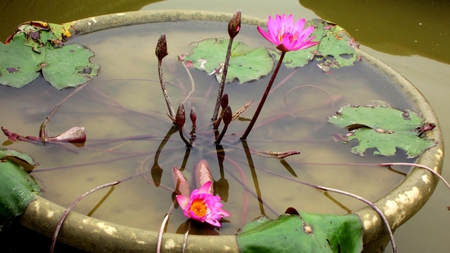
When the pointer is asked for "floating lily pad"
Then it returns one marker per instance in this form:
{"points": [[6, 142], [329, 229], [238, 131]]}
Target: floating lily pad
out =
{"points": [[382, 128], [62, 66], [69, 66], [17, 188], [302, 233], [246, 63], [18, 64], [335, 50]]}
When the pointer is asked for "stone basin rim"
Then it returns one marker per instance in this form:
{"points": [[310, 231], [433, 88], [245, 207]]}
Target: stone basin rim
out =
{"points": [[86, 233]]}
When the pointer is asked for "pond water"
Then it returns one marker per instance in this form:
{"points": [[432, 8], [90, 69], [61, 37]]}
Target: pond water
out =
{"points": [[124, 115], [145, 94]]}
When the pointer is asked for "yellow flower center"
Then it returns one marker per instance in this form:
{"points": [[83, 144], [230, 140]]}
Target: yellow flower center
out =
{"points": [[199, 208]]}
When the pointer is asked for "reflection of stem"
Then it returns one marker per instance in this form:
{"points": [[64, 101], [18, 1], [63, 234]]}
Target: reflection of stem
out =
{"points": [[185, 159], [420, 166], [263, 99], [337, 202], [100, 202], [222, 185], [222, 82], [156, 171], [251, 165]]}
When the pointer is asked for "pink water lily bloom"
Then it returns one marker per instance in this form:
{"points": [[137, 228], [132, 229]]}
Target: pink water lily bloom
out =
{"points": [[288, 36], [203, 206]]}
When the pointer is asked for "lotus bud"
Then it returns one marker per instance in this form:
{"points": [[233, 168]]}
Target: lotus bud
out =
{"points": [[235, 24], [193, 116], [227, 116], [161, 47], [224, 101], [180, 118]]}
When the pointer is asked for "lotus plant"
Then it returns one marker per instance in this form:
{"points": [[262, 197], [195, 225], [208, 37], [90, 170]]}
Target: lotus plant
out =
{"points": [[203, 206], [286, 36]]}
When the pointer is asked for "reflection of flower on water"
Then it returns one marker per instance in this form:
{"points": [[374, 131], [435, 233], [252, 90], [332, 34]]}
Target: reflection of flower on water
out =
{"points": [[203, 206]]}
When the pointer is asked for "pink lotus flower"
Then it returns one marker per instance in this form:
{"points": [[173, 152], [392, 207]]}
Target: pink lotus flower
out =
{"points": [[203, 206], [286, 35]]}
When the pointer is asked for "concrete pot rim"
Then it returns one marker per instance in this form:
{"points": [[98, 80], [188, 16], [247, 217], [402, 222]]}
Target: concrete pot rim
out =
{"points": [[88, 233]]}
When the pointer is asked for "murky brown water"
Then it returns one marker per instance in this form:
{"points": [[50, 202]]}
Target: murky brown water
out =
{"points": [[415, 68]]}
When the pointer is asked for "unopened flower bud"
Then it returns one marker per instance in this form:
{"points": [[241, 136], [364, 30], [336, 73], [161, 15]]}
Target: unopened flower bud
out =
{"points": [[161, 47], [224, 101], [193, 116], [227, 115], [180, 118], [235, 24]]}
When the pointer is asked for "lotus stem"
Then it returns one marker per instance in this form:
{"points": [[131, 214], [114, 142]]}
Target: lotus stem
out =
{"points": [[180, 119], [264, 97], [223, 104], [227, 117], [234, 26], [161, 52]]}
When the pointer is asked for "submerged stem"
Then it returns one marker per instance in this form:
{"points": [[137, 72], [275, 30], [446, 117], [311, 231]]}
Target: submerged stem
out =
{"points": [[264, 97]]}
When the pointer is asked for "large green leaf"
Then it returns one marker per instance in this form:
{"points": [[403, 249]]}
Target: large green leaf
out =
{"points": [[302, 233], [38, 46], [69, 66], [19, 65], [246, 63], [16, 186], [382, 127]]}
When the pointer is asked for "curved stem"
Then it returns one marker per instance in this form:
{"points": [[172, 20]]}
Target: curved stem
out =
{"points": [[163, 87], [422, 167], [263, 99], [63, 217]]}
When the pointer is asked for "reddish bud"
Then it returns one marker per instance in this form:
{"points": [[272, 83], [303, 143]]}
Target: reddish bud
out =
{"points": [[180, 118], [161, 47], [193, 116], [224, 101], [227, 115], [235, 24]]}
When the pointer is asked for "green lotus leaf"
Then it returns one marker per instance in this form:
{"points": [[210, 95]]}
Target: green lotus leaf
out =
{"points": [[17, 188], [69, 66], [62, 66], [18, 64], [305, 232], [382, 128], [246, 63]]}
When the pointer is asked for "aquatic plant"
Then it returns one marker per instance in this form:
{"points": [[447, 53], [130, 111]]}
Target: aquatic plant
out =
{"points": [[209, 139]]}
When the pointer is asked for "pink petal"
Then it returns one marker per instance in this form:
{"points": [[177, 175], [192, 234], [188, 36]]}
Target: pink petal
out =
{"points": [[205, 188], [265, 34], [183, 201], [180, 182], [213, 222], [203, 174]]}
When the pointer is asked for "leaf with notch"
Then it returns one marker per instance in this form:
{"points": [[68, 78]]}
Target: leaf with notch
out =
{"points": [[384, 128]]}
